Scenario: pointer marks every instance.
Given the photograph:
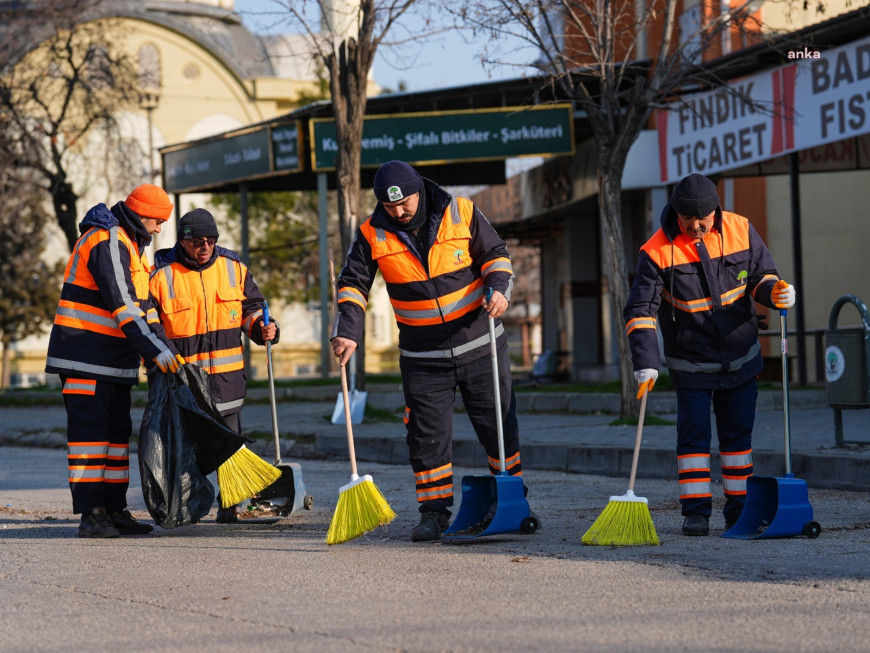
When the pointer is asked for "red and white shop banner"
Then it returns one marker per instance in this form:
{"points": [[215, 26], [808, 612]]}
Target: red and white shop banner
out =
{"points": [[819, 98]]}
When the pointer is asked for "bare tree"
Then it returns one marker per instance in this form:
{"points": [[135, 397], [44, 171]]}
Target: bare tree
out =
{"points": [[63, 79], [28, 285], [594, 52]]}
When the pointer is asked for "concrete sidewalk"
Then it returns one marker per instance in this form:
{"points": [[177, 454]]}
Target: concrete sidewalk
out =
{"points": [[558, 431]]}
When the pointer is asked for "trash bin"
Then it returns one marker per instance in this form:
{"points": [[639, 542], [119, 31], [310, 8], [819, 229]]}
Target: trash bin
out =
{"points": [[846, 363]]}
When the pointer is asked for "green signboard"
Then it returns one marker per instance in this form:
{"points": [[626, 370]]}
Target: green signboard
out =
{"points": [[285, 148], [233, 158], [428, 138]]}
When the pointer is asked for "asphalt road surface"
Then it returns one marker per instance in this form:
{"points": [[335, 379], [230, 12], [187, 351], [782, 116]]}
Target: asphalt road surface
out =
{"points": [[279, 587]]}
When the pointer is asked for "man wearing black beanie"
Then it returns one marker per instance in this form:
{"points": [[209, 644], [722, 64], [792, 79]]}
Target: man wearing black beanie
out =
{"points": [[438, 254], [206, 299], [697, 280]]}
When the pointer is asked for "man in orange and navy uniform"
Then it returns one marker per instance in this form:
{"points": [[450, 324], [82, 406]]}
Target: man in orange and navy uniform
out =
{"points": [[206, 298], [437, 254], [697, 280], [104, 324]]}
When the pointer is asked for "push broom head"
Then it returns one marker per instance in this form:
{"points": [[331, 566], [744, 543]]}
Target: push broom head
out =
{"points": [[243, 475], [625, 521], [361, 508]]}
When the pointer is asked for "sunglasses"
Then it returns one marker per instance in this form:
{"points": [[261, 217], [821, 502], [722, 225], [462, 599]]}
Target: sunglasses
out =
{"points": [[199, 242]]}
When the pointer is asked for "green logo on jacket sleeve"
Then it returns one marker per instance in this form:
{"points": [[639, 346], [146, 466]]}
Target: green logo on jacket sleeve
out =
{"points": [[741, 277]]}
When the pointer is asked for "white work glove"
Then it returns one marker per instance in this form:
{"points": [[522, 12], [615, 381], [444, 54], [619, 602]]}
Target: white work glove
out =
{"points": [[782, 294], [646, 379], [167, 361]]}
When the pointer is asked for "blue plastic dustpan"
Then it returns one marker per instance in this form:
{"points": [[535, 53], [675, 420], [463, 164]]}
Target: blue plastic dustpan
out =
{"points": [[504, 492], [775, 507], [479, 493]]}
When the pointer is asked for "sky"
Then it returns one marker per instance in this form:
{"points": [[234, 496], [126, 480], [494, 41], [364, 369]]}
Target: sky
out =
{"points": [[442, 61]]}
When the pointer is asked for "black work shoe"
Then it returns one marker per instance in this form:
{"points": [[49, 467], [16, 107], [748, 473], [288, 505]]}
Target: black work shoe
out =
{"points": [[227, 516], [696, 525], [96, 523], [729, 522], [431, 525], [126, 525]]}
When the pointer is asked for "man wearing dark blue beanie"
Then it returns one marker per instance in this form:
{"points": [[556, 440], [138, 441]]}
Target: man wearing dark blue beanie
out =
{"points": [[697, 282], [439, 256]]}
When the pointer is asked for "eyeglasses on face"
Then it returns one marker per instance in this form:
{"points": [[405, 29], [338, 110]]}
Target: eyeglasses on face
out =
{"points": [[199, 242]]}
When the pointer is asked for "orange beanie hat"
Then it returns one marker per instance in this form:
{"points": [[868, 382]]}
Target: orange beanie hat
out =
{"points": [[149, 201]]}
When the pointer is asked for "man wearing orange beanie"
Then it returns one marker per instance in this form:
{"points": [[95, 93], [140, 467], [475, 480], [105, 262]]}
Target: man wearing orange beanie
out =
{"points": [[103, 325]]}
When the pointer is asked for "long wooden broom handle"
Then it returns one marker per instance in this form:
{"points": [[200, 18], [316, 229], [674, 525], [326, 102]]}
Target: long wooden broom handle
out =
{"points": [[342, 368], [637, 441]]}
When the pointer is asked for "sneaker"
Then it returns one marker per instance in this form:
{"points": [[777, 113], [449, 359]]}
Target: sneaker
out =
{"points": [[431, 525], [227, 516], [126, 525], [696, 525], [96, 523]]}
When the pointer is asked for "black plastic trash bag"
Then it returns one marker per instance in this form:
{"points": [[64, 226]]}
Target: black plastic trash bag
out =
{"points": [[181, 440]]}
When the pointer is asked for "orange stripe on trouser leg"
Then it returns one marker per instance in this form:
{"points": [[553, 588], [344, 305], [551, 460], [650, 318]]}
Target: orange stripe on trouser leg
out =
{"points": [[512, 465], [407, 416], [436, 492]]}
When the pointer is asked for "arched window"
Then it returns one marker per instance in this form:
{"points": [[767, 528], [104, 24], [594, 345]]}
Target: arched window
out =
{"points": [[149, 67]]}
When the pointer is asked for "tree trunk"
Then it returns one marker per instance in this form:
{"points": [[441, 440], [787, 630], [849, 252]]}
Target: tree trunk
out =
{"points": [[64, 200], [5, 371], [615, 269]]}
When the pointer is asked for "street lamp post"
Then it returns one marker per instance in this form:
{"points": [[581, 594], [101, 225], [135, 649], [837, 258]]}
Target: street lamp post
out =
{"points": [[148, 100]]}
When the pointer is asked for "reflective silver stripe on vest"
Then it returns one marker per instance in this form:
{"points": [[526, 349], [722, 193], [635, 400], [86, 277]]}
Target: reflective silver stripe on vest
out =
{"points": [[454, 211], [471, 298], [228, 405], [456, 351], [231, 273], [86, 316], [170, 286], [683, 365], [78, 366], [380, 235], [208, 363]]}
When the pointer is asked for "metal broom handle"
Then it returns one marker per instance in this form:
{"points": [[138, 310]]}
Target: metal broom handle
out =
{"points": [[493, 353], [272, 388], [784, 348]]}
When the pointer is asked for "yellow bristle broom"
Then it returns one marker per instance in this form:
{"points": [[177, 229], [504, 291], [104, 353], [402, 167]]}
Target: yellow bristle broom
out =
{"points": [[243, 475], [361, 507], [626, 520]]}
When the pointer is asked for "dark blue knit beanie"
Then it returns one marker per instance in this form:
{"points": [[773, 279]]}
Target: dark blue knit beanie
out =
{"points": [[396, 180], [695, 196]]}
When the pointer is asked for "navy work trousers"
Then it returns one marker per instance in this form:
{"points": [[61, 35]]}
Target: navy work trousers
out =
{"points": [[734, 410], [98, 438], [430, 393]]}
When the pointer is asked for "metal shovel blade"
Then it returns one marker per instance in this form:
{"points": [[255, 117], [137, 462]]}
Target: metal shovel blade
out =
{"points": [[289, 490], [479, 493], [775, 507]]}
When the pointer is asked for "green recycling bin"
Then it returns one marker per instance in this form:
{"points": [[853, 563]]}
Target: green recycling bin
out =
{"points": [[846, 359]]}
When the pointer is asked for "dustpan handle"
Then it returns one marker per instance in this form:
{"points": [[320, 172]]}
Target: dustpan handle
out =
{"points": [[637, 437], [783, 330], [272, 388], [493, 353]]}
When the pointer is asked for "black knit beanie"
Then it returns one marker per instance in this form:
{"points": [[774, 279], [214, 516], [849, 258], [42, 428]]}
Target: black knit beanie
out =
{"points": [[198, 223], [695, 196], [396, 180]]}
